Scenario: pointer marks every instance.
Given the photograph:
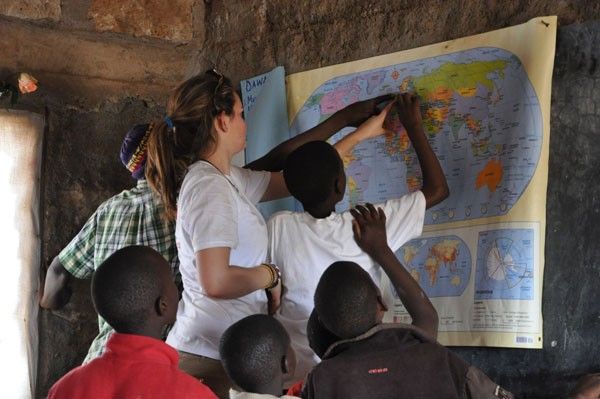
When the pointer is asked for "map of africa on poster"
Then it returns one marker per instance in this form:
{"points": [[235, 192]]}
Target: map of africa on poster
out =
{"points": [[441, 265], [485, 103]]}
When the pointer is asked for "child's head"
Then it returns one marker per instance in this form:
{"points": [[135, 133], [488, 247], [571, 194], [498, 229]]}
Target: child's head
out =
{"points": [[347, 301], [256, 353], [314, 174], [319, 337], [133, 290]]}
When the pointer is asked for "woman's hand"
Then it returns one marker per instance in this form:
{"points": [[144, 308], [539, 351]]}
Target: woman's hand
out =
{"points": [[375, 125], [372, 127], [357, 113], [274, 297]]}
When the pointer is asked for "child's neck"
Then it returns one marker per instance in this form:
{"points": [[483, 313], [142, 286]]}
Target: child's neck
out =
{"points": [[151, 330], [275, 387], [321, 211]]}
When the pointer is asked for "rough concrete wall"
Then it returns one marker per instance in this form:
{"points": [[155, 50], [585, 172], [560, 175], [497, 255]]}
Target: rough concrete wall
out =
{"points": [[306, 34], [32, 9], [107, 64]]}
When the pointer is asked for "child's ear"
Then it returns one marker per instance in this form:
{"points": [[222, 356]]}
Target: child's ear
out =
{"points": [[285, 367], [381, 306], [337, 187], [161, 306], [288, 362]]}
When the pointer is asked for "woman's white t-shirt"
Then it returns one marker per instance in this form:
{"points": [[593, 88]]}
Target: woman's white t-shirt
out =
{"points": [[214, 210]]}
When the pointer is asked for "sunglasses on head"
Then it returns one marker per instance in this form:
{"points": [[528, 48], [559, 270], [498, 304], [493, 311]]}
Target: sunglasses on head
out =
{"points": [[220, 78]]}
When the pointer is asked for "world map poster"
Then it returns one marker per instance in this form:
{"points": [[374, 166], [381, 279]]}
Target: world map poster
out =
{"points": [[485, 102]]}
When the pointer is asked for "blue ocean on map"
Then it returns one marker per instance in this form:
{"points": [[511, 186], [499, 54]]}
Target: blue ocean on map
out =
{"points": [[505, 264], [482, 118]]}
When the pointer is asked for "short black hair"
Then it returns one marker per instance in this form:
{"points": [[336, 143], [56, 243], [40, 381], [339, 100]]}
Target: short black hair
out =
{"points": [[310, 172], [126, 286], [253, 351], [346, 300], [319, 337]]}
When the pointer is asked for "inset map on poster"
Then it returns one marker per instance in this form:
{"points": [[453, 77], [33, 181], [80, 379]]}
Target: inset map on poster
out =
{"points": [[441, 265], [505, 268]]}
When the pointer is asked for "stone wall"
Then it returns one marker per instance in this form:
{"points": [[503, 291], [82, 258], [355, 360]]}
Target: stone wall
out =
{"points": [[107, 64]]}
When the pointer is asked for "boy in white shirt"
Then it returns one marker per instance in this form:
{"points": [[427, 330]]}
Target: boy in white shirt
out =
{"points": [[304, 244]]}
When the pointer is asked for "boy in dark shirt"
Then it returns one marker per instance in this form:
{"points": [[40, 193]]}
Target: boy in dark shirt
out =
{"points": [[375, 360]]}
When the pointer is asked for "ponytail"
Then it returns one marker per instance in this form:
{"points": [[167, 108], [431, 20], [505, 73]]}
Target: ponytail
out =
{"points": [[172, 148]]}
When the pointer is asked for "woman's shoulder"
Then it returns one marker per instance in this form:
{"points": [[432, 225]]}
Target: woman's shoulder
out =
{"points": [[201, 169], [202, 178], [202, 172], [241, 173], [252, 182]]}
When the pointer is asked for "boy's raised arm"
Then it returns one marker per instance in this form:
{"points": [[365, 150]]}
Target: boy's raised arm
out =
{"points": [[370, 235], [435, 188], [352, 115]]}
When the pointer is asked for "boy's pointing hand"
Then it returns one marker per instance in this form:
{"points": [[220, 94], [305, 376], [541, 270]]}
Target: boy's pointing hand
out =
{"points": [[369, 228]]}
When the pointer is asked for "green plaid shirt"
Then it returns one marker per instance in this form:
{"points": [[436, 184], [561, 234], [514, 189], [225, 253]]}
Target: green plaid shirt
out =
{"points": [[132, 217]]}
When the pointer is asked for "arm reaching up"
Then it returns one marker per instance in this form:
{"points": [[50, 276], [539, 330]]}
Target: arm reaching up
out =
{"points": [[435, 188], [370, 235], [372, 127], [352, 115]]}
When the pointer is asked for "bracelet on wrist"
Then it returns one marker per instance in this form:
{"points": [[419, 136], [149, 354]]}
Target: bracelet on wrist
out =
{"points": [[275, 275], [271, 276]]}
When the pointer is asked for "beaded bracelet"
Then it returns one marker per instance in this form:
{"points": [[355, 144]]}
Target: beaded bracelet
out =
{"points": [[265, 265], [275, 275]]}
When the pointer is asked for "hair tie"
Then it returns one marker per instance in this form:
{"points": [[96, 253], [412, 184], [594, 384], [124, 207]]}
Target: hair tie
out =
{"points": [[169, 122]]}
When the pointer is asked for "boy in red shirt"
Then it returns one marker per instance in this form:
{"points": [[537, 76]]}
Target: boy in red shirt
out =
{"points": [[133, 290]]}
